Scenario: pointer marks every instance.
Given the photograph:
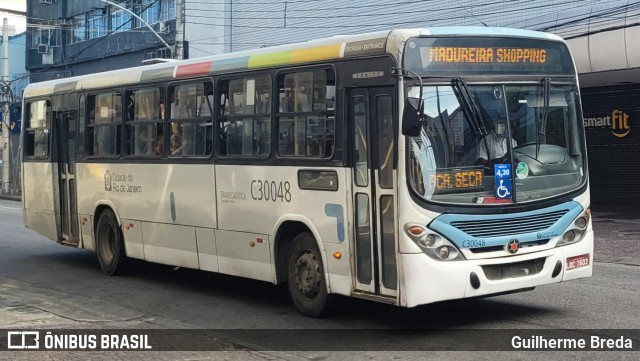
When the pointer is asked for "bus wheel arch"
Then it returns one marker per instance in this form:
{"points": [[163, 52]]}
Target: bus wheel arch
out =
{"points": [[307, 277], [287, 231], [109, 241]]}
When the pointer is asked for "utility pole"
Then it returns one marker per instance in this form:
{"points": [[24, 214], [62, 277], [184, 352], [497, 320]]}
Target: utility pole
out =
{"points": [[180, 21], [6, 130]]}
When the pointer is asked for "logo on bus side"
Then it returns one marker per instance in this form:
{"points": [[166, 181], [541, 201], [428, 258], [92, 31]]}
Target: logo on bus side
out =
{"points": [[618, 121], [120, 183]]}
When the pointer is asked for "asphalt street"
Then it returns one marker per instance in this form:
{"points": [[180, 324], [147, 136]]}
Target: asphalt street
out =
{"points": [[45, 285]]}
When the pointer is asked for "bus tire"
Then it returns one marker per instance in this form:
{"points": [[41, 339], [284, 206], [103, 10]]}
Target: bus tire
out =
{"points": [[306, 279], [110, 244]]}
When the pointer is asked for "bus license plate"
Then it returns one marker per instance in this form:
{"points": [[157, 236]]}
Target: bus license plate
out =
{"points": [[577, 261]]}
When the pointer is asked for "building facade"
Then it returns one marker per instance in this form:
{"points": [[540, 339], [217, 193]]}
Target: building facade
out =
{"points": [[80, 37], [77, 37]]}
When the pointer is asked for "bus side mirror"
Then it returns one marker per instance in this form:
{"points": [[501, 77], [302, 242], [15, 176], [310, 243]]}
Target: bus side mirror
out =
{"points": [[412, 117]]}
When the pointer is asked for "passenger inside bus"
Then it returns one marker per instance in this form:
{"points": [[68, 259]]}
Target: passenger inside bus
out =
{"points": [[176, 143], [159, 144], [186, 105], [145, 140]]}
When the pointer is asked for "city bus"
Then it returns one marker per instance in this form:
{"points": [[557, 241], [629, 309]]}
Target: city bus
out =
{"points": [[407, 166]]}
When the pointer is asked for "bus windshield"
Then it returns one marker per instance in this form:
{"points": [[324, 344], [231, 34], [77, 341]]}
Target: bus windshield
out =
{"points": [[497, 143]]}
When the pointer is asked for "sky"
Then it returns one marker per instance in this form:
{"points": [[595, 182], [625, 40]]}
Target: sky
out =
{"points": [[17, 24], [19, 5]]}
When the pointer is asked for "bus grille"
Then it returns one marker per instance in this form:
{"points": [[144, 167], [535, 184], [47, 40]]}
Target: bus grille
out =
{"points": [[509, 226], [513, 270]]}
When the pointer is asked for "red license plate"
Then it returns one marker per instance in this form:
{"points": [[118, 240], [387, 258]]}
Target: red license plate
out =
{"points": [[577, 261]]}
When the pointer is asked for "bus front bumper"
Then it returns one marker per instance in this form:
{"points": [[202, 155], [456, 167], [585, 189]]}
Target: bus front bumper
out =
{"points": [[427, 280]]}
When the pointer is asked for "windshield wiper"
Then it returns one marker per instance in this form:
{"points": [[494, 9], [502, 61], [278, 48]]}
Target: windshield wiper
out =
{"points": [[471, 109], [542, 124], [470, 106]]}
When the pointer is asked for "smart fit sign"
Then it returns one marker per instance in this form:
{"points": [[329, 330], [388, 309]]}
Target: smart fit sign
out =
{"points": [[618, 121]]}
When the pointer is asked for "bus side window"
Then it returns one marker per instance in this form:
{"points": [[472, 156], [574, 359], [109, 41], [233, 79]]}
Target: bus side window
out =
{"points": [[306, 122], [37, 131], [144, 122], [190, 119], [245, 116], [105, 121]]}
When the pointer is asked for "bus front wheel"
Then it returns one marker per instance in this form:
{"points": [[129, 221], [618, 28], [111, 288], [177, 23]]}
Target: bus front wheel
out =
{"points": [[110, 244], [306, 279]]}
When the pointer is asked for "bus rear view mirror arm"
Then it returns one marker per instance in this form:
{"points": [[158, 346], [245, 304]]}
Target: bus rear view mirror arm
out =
{"points": [[413, 107]]}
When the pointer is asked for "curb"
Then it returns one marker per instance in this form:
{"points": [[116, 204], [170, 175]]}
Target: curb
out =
{"points": [[11, 197]]}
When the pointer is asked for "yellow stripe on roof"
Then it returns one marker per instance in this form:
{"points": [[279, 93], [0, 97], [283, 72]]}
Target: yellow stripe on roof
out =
{"points": [[316, 54], [271, 59]]}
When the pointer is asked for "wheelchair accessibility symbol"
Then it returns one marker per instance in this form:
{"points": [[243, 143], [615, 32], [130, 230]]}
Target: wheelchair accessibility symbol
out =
{"points": [[502, 191]]}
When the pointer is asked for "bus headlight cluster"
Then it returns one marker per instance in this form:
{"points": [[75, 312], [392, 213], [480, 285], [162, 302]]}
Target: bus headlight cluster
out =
{"points": [[577, 230], [432, 244]]}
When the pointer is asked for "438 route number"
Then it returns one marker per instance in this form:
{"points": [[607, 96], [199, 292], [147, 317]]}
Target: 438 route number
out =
{"points": [[271, 191]]}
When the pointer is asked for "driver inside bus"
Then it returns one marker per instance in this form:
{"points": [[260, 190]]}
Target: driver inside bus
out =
{"points": [[495, 143]]}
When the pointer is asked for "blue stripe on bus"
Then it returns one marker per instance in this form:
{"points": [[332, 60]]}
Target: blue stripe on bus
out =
{"points": [[172, 205], [336, 211], [442, 225], [240, 63]]}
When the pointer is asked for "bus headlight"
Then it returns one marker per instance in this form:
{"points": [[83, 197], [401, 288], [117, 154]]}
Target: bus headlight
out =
{"points": [[581, 222], [569, 236], [432, 244], [577, 230], [443, 252]]}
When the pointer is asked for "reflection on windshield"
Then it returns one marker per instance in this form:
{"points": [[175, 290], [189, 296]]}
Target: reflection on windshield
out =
{"points": [[518, 143]]}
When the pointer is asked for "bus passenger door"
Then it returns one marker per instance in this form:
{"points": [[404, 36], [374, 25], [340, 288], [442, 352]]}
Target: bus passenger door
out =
{"points": [[371, 117], [66, 122]]}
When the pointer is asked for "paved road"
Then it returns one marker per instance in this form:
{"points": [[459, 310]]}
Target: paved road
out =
{"points": [[44, 285], [617, 234]]}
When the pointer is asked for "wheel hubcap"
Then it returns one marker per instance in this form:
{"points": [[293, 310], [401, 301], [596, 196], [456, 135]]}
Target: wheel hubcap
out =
{"points": [[307, 275]]}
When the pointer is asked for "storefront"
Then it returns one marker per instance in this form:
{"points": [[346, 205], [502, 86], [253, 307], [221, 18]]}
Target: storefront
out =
{"points": [[612, 125]]}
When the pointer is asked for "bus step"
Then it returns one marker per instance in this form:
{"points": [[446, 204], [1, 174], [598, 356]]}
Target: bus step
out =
{"points": [[70, 243], [392, 300]]}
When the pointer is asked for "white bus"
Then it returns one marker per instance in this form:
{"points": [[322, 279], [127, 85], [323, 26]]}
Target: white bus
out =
{"points": [[405, 166]]}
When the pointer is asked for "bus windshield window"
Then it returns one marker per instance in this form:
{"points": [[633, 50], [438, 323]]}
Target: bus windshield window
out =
{"points": [[521, 144]]}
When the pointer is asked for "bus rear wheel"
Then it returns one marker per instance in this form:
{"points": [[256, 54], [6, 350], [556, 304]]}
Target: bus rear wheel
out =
{"points": [[110, 244], [306, 278]]}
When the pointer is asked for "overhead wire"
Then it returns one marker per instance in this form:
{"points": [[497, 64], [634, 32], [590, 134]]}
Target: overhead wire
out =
{"points": [[437, 17]]}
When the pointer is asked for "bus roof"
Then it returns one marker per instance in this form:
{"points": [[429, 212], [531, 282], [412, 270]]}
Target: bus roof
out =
{"points": [[342, 46]]}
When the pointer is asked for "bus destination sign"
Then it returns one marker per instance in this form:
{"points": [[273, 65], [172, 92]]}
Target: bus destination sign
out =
{"points": [[453, 180], [482, 55]]}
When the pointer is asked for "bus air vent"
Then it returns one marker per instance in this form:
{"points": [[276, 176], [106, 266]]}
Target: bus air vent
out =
{"points": [[497, 272], [509, 226]]}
